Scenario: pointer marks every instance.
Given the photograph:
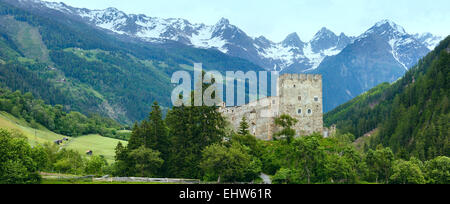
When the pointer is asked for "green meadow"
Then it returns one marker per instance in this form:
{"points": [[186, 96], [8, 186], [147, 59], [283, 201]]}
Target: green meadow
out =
{"points": [[98, 144]]}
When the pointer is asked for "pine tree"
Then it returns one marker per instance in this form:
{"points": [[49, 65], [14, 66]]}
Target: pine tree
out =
{"points": [[136, 139], [243, 127], [158, 137], [191, 130]]}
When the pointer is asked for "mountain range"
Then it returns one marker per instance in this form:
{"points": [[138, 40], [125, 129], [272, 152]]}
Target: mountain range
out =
{"points": [[292, 53], [350, 65]]}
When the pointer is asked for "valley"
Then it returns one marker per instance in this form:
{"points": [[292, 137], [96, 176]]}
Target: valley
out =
{"points": [[86, 93]]}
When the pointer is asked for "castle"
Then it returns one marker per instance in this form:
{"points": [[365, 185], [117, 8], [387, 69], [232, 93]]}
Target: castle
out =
{"points": [[298, 95]]}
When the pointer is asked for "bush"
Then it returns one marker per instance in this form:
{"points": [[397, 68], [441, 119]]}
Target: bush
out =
{"points": [[95, 165], [229, 164], [437, 171], [286, 176], [16, 160], [406, 172], [69, 161]]}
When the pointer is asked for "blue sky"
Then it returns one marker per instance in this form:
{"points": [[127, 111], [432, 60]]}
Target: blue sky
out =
{"points": [[275, 19]]}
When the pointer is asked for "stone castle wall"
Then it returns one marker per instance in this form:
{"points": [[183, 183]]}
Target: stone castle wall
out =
{"points": [[299, 95]]}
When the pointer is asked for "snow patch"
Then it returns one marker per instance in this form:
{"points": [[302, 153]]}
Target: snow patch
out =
{"points": [[393, 44], [317, 58], [278, 52], [204, 39]]}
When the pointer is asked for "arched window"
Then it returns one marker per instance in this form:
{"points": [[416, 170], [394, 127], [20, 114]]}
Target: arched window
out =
{"points": [[299, 111], [309, 111]]}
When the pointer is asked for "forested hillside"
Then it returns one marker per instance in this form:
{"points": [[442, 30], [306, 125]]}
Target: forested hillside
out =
{"points": [[65, 61], [36, 112], [412, 114]]}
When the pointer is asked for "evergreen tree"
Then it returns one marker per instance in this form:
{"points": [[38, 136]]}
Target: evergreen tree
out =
{"points": [[157, 137], [137, 138], [243, 127], [192, 129]]}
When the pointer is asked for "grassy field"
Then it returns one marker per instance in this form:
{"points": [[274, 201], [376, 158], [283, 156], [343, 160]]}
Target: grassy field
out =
{"points": [[98, 144]]}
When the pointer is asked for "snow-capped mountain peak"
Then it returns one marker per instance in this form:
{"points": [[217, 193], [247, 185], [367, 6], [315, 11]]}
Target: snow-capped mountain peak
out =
{"points": [[323, 40], [404, 48], [223, 21], [324, 33], [293, 40], [391, 24], [386, 29]]}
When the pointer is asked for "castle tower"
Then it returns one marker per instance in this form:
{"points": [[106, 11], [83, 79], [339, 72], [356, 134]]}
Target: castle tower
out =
{"points": [[300, 96]]}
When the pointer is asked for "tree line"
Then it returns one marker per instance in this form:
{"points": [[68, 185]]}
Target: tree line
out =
{"points": [[192, 142]]}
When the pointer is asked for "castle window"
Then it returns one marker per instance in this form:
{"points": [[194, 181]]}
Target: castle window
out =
{"points": [[316, 98], [309, 111], [299, 98], [294, 85], [299, 111]]}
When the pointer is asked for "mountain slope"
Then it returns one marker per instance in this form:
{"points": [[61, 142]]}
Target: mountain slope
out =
{"points": [[382, 54], [412, 114], [89, 70]]}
